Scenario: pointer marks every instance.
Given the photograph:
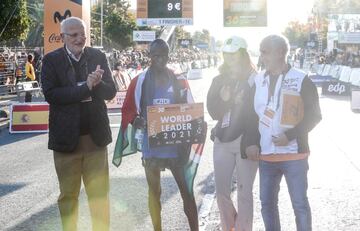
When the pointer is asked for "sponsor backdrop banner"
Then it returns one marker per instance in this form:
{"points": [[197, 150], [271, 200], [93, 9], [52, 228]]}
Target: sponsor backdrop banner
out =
{"points": [[117, 102], [55, 12], [185, 43], [164, 12], [143, 36], [245, 13], [175, 124], [336, 88], [29, 118]]}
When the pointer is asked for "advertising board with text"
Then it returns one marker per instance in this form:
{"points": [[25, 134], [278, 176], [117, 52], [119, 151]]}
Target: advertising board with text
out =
{"points": [[175, 124], [117, 102], [29, 118], [245, 13], [336, 88], [164, 12], [185, 43], [144, 36], [57, 11]]}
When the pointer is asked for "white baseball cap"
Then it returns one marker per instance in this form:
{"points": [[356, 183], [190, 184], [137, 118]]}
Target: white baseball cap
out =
{"points": [[233, 44]]}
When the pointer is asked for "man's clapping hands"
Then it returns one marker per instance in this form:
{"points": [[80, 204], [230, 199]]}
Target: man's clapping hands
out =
{"points": [[94, 78]]}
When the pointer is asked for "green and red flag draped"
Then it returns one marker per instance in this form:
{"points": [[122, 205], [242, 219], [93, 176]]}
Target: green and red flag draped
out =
{"points": [[126, 143]]}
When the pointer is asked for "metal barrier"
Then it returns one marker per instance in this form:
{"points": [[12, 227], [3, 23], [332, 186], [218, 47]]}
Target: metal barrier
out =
{"points": [[341, 80], [342, 73], [30, 86], [7, 73]]}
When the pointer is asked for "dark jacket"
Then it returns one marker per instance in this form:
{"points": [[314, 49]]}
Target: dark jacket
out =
{"points": [[239, 117], [60, 89]]}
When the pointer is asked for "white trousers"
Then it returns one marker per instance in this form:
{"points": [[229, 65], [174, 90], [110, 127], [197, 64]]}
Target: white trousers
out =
{"points": [[227, 157]]}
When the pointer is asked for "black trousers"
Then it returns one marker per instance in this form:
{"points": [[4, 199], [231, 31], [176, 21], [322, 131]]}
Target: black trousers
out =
{"points": [[28, 96], [152, 172]]}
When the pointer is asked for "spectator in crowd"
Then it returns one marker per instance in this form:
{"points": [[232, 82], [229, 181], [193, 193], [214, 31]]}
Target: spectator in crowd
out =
{"points": [[30, 75], [226, 102], [283, 134], [301, 58], [37, 61], [2, 70], [76, 80], [121, 77]]}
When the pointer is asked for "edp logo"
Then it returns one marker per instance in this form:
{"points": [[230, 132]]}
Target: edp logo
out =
{"points": [[337, 88]]}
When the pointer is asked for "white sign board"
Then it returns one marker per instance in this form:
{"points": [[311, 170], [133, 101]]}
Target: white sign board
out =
{"points": [[194, 74], [326, 70], [334, 71], [320, 69], [349, 38], [355, 100], [355, 76], [345, 74], [143, 36]]}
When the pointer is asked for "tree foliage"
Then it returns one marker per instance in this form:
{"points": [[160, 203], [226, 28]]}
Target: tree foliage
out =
{"points": [[180, 33], [35, 37], [118, 24], [201, 37], [18, 26], [297, 33]]}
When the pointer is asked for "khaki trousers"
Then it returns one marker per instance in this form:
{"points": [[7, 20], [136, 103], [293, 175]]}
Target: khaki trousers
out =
{"points": [[89, 163], [227, 157]]}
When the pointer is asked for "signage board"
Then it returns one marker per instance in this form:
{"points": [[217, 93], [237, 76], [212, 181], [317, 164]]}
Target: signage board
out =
{"points": [[245, 13], [336, 88], [164, 12], [144, 36], [326, 70], [185, 43], [55, 12], [29, 118], [345, 74], [349, 38], [355, 76], [175, 124], [355, 100], [117, 102]]}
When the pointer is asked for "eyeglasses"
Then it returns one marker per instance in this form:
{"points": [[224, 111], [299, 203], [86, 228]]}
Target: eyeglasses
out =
{"points": [[75, 35]]}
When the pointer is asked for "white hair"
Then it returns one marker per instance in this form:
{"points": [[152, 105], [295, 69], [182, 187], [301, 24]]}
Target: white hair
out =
{"points": [[71, 21], [277, 42]]}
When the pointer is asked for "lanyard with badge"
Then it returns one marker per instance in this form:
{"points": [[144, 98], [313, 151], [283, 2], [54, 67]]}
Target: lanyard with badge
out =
{"points": [[227, 116], [270, 108]]}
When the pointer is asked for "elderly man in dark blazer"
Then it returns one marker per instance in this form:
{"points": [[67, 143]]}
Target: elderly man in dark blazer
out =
{"points": [[76, 80]]}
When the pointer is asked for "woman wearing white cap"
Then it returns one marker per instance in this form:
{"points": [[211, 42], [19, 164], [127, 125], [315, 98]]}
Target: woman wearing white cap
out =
{"points": [[227, 100]]}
